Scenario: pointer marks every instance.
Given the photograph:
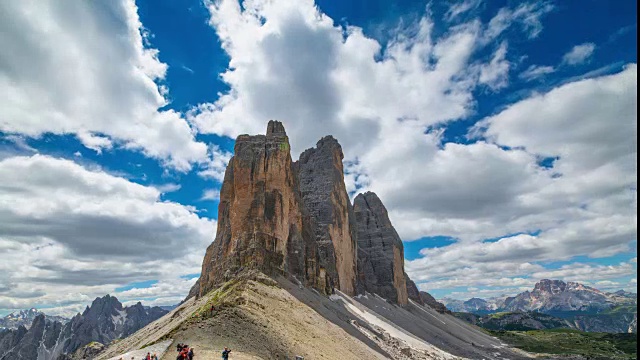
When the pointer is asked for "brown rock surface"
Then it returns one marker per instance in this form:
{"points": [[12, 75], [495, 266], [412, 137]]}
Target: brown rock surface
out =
{"points": [[259, 211], [277, 216]]}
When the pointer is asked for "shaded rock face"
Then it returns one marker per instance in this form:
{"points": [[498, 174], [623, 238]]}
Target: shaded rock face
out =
{"points": [[380, 250], [429, 300], [325, 200], [412, 290], [89, 351]]}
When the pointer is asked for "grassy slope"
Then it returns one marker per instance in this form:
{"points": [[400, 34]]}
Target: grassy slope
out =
{"points": [[565, 342]]}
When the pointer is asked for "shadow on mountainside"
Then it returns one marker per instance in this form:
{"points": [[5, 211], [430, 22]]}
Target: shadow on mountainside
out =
{"points": [[414, 323]]}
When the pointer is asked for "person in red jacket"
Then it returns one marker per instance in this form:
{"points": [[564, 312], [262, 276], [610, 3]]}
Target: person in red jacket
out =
{"points": [[184, 354]]}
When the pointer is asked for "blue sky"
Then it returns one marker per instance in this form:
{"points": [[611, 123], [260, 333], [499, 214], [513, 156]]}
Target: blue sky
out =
{"points": [[500, 135]]}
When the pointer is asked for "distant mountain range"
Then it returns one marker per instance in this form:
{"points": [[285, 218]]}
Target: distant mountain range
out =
{"points": [[25, 318], [583, 307], [47, 338]]}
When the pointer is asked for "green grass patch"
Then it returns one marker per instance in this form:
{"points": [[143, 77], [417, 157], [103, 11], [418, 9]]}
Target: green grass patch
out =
{"points": [[221, 297], [573, 342], [622, 309], [500, 315]]}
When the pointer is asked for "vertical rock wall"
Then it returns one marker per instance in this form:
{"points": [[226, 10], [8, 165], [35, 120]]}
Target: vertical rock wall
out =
{"points": [[325, 200], [278, 216], [380, 250], [259, 213]]}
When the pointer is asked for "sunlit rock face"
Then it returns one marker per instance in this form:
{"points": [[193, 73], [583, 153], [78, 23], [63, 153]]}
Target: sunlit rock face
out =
{"points": [[259, 212], [295, 218]]}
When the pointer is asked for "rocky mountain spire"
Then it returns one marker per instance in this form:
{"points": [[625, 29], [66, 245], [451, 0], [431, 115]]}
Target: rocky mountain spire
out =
{"points": [[325, 200], [380, 250], [295, 218], [259, 211]]}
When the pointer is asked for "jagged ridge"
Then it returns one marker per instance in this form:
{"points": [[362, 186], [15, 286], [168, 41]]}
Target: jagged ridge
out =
{"points": [[105, 320]]}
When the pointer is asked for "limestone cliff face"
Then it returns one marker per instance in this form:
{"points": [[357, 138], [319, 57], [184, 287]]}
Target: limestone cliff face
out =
{"points": [[325, 200], [380, 251], [283, 217], [295, 218], [259, 212]]}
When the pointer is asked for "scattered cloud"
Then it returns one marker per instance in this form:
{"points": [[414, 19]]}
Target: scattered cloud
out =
{"points": [[496, 74], [527, 15], [168, 188], [584, 205], [215, 166], [579, 54], [536, 71], [210, 194], [20, 142], [458, 8], [511, 278]]}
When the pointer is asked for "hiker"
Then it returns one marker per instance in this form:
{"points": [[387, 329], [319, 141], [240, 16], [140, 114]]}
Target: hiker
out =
{"points": [[190, 354], [225, 353], [154, 357], [212, 310], [180, 349], [184, 354], [148, 357]]}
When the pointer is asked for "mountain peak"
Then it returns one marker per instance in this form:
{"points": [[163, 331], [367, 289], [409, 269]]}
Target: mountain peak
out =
{"points": [[550, 286], [275, 127]]}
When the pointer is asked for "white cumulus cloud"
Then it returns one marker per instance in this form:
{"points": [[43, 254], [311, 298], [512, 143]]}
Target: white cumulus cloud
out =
{"points": [[83, 68], [69, 234]]}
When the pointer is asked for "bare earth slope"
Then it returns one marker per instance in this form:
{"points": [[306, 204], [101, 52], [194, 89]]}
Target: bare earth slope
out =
{"points": [[259, 318]]}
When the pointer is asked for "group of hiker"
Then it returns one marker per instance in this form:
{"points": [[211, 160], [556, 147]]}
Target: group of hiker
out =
{"points": [[184, 352], [146, 357]]}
